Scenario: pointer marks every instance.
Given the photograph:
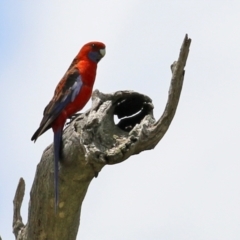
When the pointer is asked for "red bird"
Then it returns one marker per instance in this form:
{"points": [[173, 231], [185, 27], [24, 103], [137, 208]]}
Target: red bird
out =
{"points": [[70, 96]]}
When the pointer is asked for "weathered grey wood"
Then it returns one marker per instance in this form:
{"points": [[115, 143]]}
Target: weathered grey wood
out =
{"points": [[91, 141], [18, 225]]}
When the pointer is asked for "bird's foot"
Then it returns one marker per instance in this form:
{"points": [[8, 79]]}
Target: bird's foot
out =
{"points": [[73, 117]]}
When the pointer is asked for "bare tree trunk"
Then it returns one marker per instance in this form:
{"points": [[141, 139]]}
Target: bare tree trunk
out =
{"points": [[91, 141]]}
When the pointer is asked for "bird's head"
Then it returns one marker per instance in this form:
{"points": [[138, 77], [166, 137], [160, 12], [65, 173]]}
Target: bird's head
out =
{"points": [[94, 51]]}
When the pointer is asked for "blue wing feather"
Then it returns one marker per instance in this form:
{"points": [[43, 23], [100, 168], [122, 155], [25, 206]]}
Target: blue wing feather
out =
{"points": [[70, 89], [68, 97]]}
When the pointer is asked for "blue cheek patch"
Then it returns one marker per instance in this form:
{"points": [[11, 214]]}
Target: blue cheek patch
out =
{"points": [[94, 56]]}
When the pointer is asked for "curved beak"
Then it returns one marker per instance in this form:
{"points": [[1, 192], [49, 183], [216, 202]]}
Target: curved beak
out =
{"points": [[102, 52]]}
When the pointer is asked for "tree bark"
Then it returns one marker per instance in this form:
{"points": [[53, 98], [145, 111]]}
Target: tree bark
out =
{"points": [[91, 141]]}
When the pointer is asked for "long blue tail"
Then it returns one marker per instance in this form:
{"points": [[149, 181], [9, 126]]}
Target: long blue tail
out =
{"points": [[57, 149]]}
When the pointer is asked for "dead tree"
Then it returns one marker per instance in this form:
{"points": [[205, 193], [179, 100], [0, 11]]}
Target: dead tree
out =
{"points": [[91, 141]]}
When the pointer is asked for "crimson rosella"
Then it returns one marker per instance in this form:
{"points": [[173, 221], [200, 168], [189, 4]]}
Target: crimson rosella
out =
{"points": [[70, 96]]}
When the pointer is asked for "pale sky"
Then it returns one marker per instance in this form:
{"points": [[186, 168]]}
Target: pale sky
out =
{"points": [[188, 187]]}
